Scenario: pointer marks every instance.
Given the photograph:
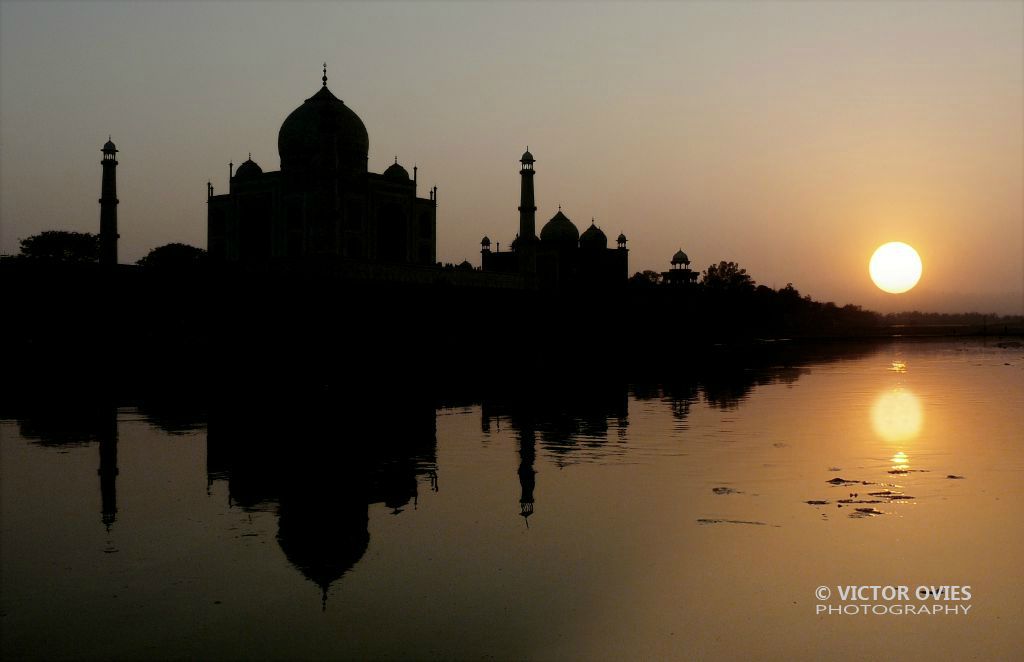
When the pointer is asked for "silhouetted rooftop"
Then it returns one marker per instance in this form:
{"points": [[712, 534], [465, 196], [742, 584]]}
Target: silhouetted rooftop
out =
{"points": [[593, 237], [248, 169], [396, 171], [680, 258]]}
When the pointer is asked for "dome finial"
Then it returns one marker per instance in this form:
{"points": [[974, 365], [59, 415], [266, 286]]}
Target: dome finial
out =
{"points": [[396, 158], [250, 156], [324, 79]]}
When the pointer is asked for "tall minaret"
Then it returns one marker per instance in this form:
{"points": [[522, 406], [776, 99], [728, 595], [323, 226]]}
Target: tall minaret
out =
{"points": [[527, 208], [108, 206]]}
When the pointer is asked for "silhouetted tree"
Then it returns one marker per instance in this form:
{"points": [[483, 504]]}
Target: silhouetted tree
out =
{"points": [[61, 246], [727, 277], [645, 278], [174, 256]]}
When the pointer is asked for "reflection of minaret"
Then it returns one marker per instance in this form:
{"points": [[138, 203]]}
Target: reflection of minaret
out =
{"points": [[108, 206], [108, 467], [527, 476]]}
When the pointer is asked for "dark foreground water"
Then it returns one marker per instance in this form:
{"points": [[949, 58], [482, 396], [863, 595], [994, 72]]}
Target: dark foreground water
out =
{"points": [[614, 521]]}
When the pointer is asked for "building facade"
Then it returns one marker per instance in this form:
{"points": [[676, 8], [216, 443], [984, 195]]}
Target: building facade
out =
{"points": [[323, 203], [560, 256]]}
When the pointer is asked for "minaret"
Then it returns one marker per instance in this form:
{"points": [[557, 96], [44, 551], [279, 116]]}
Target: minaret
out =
{"points": [[527, 208], [108, 206]]}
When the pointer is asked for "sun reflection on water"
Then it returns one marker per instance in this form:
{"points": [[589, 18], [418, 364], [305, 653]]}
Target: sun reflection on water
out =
{"points": [[896, 415], [900, 461]]}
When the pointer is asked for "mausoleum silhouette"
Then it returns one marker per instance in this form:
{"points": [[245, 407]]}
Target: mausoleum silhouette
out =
{"points": [[323, 202]]}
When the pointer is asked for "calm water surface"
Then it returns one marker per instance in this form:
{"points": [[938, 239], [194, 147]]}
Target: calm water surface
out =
{"points": [[615, 522]]}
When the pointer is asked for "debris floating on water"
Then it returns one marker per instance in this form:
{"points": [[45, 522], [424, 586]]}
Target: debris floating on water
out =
{"points": [[844, 481], [866, 512], [955, 477], [725, 490], [729, 521]]}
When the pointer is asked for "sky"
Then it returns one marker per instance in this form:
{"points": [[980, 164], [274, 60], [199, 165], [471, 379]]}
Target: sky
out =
{"points": [[792, 138]]}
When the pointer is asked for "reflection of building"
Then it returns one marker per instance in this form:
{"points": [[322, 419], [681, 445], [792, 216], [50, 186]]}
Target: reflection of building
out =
{"points": [[561, 256], [565, 420], [108, 469], [323, 201], [322, 463], [527, 474]]}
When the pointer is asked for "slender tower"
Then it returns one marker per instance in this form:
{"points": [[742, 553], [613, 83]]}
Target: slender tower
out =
{"points": [[527, 208], [108, 205]]}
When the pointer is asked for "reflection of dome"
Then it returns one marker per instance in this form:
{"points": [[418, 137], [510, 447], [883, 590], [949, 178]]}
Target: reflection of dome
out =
{"points": [[323, 541], [396, 171], [560, 229], [680, 258], [322, 118], [593, 237], [248, 169]]}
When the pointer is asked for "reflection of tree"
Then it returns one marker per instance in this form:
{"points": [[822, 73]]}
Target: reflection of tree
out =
{"points": [[64, 423]]}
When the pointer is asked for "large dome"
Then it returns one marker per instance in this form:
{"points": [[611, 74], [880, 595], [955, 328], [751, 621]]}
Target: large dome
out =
{"points": [[323, 118], [560, 229]]}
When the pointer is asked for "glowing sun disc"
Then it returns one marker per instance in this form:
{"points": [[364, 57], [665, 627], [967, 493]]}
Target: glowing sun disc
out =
{"points": [[895, 267]]}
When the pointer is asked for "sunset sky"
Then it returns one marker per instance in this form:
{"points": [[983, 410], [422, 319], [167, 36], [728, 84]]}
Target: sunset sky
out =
{"points": [[792, 138]]}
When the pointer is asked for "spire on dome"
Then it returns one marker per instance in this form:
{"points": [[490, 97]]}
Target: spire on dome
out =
{"points": [[324, 79]]}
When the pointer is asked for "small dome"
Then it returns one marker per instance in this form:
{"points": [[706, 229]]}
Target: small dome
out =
{"points": [[680, 258], [560, 229], [109, 146], [527, 157], [248, 169], [396, 171], [593, 237], [486, 241], [621, 239]]}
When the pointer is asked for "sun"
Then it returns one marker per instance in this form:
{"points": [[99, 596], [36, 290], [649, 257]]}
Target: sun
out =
{"points": [[895, 267]]}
